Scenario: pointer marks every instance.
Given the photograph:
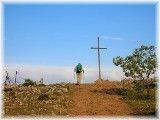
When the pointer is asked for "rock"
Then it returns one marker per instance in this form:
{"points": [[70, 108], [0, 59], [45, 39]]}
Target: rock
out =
{"points": [[53, 88], [59, 91], [53, 113], [64, 90], [20, 103]]}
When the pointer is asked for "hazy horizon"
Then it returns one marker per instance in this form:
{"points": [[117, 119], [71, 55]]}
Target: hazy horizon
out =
{"points": [[57, 74]]}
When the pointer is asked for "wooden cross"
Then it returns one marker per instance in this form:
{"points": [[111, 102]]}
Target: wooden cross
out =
{"points": [[98, 50]]}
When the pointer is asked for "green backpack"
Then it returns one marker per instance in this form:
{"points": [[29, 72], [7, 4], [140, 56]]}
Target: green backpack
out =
{"points": [[79, 68]]}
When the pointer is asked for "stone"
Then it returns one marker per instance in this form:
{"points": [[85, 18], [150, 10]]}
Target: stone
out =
{"points": [[64, 90]]}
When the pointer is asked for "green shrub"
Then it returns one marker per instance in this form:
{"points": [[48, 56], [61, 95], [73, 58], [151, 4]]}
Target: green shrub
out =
{"points": [[150, 86], [43, 97], [140, 91], [28, 82], [138, 85], [116, 91], [136, 95], [7, 89]]}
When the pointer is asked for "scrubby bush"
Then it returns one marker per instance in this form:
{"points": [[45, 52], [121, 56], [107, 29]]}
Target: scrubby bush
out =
{"points": [[43, 97], [7, 89], [116, 91], [136, 95], [142, 90], [28, 82]]}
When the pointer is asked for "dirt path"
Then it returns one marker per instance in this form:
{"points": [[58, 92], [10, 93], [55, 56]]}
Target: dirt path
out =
{"points": [[87, 102]]}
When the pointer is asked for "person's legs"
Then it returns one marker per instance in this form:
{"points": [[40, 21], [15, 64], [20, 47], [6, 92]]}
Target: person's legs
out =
{"points": [[79, 77], [77, 74]]}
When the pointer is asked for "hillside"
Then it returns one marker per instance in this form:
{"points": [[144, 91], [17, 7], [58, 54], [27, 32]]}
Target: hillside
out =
{"points": [[99, 98]]}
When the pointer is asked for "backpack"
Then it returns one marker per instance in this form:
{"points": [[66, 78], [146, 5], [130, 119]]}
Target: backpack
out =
{"points": [[78, 68]]}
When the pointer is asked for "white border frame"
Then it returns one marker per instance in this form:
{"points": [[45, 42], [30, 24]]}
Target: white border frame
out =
{"points": [[77, 2]]}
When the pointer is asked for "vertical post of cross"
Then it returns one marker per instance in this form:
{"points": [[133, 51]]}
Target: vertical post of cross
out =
{"points": [[41, 80], [99, 63], [16, 77]]}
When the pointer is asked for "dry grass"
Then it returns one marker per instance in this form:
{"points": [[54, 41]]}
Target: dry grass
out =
{"points": [[99, 98], [32, 100]]}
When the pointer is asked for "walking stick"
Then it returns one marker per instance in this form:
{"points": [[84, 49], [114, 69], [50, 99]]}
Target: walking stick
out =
{"points": [[74, 76], [83, 75]]}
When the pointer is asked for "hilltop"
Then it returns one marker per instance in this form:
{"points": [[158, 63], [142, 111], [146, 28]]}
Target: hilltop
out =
{"points": [[99, 98]]}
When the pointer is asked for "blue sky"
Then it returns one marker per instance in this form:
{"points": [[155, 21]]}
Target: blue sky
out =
{"points": [[62, 34]]}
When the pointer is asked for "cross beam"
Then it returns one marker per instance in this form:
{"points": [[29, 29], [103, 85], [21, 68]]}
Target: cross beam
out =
{"points": [[98, 50]]}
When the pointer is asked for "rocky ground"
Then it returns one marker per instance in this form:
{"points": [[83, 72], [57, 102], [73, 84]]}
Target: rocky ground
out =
{"points": [[99, 98], [36, 100]]}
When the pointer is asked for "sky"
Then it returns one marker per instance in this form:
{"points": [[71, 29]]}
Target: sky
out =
{"points": [[48, 40]]}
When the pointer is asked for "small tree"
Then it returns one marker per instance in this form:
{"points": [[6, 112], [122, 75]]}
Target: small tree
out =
{"points": [[140, 65]]}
